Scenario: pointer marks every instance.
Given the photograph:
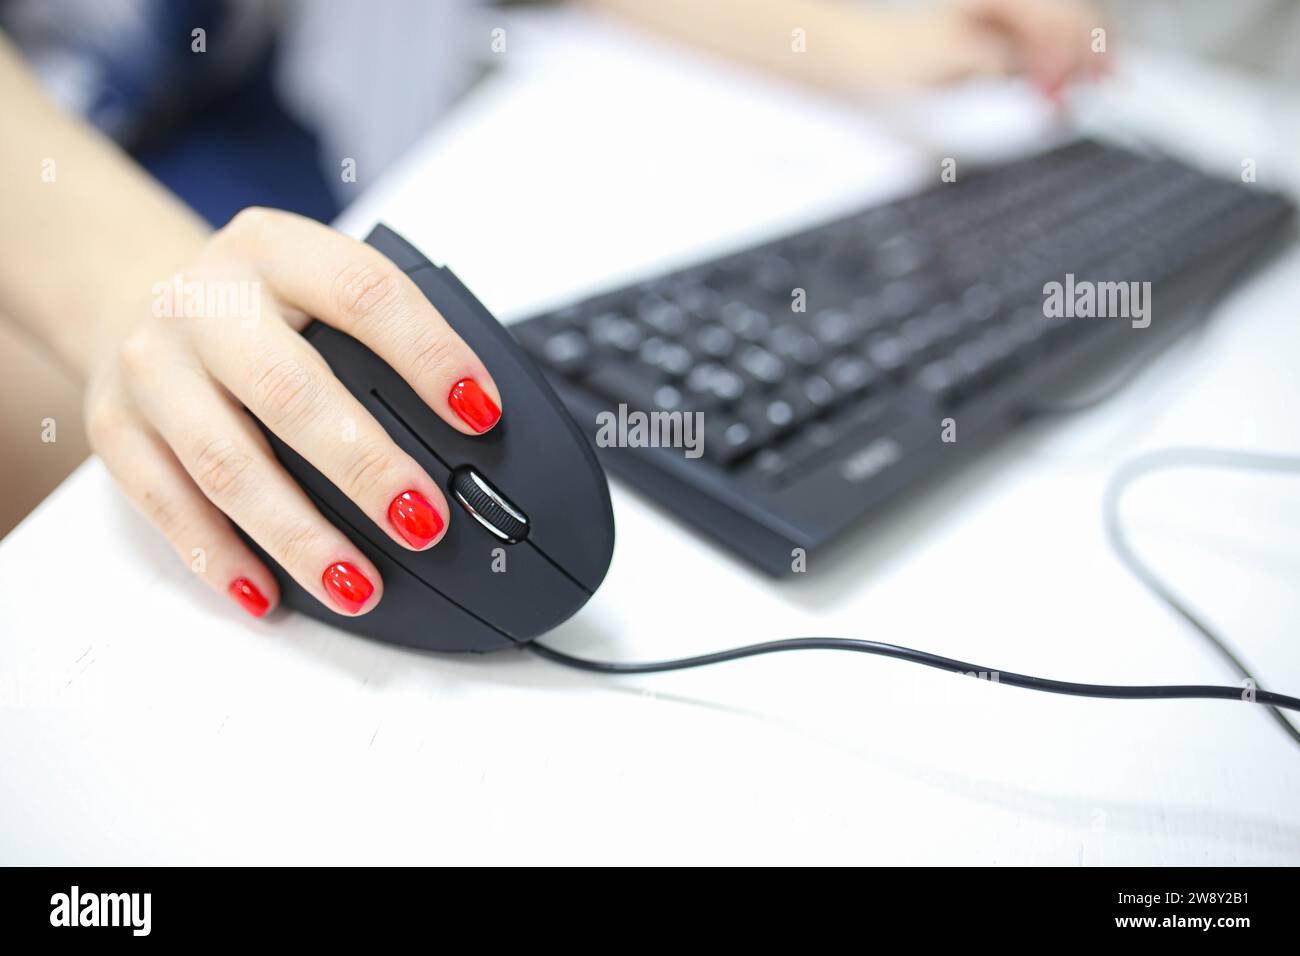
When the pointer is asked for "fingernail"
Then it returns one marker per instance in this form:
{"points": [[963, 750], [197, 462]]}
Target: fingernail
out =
{"points": [[417, 521], [249, 597], [474, 406], [347, 587]]}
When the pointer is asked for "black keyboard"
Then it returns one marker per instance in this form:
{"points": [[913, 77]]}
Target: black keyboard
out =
{"points": [[922, 320]]}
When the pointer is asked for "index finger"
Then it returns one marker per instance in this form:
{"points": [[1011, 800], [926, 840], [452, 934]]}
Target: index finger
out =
{"points": [[357, 290]]}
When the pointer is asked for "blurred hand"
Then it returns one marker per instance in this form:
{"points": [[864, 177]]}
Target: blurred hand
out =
{"points": [[853, 46], [1049, 41], [166, 407]]}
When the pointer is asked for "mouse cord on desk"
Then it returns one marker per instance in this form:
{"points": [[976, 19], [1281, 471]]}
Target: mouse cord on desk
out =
{"points": [[1164, 460], [1119, 482]]}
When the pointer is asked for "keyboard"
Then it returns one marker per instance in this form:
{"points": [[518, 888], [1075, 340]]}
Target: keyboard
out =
{"points": [[776, 396]]}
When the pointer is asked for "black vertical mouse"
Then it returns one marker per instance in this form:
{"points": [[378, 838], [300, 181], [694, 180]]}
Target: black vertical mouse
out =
{"points": [[531, 531]]}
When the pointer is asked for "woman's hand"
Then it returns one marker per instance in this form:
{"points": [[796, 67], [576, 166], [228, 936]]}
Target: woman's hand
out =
{"points": [[166, 407], [849, 46], [1049, 41]]}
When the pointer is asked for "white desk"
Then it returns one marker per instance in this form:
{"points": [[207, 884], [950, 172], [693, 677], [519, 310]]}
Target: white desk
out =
{"points": [[169, 728]]}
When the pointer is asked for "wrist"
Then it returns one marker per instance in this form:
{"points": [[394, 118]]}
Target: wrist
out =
{"points": [[126, 295]]}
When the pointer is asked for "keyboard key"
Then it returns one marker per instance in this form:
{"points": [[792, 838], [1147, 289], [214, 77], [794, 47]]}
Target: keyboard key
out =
{"points": [[770, 463], [793, 344], [567, 352], [728, 437], [615, 331], [662, 316], [632, 385], [835, 328], [938, 381], [779, 414], [980, 302], [849, 374], [973, 361], [946, 322], [901, 297], [900, 254], [795, 397], [668, 357], [869, 312], [715, 341], [819, 391], [745, 321], [735, 439], [669, 398], [891, 354], [697, 299], [717, 381], [761, 364]]}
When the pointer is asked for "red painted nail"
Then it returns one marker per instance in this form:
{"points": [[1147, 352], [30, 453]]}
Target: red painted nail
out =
{"points": [[474, 406], [417, 521], [249, 597], [348, 587]]}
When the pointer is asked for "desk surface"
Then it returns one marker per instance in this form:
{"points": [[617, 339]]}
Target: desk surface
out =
{"points": [[176, 731]]}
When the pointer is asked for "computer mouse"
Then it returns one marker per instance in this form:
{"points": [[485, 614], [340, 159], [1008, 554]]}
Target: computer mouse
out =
{"points": [[531, 531]]}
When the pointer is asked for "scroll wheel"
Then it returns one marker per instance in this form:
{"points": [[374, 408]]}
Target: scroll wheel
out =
{"points": [[489, 507]]}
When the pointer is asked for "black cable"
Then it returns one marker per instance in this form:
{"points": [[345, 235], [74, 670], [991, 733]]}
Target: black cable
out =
{"points": [[1114, 490], [1113, 691], [1129, 472]]}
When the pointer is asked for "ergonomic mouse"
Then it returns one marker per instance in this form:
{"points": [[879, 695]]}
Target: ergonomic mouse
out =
{"points": [[531, 531]]}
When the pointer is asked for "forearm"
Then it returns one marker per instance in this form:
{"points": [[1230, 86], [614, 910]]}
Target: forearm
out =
{"points": [[839, 46], [84, 232]]}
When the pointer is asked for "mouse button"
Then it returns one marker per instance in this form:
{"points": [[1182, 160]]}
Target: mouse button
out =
{"points": [[410, 614], [532, 460], [400, 252], [414, 614], [536, 456], [515, 587], [439, 578], [425, 587], [488, 506]]}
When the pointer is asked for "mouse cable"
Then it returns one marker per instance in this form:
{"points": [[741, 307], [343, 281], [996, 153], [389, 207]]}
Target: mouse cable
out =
{"points": [[1111, 691], [1129, 472], [1179, 458]]}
